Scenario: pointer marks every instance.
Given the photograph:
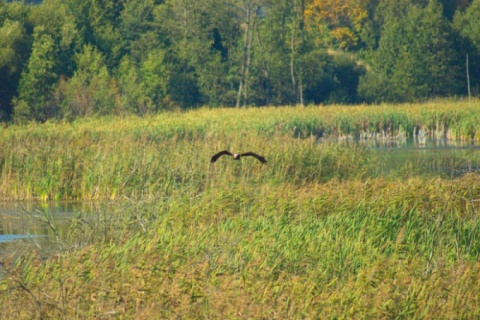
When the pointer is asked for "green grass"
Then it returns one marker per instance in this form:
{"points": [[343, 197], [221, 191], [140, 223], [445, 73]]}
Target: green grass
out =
{"points": [[319, 232], [117, 167], [340, 249]]}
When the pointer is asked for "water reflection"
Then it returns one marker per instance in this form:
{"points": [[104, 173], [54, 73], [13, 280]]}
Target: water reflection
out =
{"points": [[13, 237], [417, 143], [439, 157], [45, 225]]}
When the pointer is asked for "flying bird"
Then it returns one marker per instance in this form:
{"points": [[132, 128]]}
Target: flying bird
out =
{"points": [[237, 156]]}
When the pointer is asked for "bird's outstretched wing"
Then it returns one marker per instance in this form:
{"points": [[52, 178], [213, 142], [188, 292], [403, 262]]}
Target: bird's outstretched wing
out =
{"points": [[260, 158], [218, 155]]}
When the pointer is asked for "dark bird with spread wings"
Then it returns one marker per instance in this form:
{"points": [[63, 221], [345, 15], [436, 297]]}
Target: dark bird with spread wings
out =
{"points": [[237, 156]]}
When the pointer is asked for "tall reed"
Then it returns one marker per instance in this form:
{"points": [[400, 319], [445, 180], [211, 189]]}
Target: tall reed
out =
{"points": [[111, 157], [318, 232], [350, 248]]}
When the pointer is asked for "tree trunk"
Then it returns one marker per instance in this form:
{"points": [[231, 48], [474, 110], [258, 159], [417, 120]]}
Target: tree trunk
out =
{"points": [[265, 67], [302, 48], [296, 72], [468, 80], [292, 53], [244, 56], [249, 61]]}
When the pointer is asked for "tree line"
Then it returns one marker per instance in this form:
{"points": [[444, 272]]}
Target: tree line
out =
{"points": [[76, 58]]}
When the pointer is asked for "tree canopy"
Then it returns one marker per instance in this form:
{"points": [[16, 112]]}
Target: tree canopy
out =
{"points": [[75, 58]]}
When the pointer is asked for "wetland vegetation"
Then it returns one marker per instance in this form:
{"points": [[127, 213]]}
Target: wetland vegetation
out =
{"points": [[320, 231]]}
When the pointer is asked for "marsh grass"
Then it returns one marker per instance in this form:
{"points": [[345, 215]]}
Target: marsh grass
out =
{"points": [[319, 232], [375, 248], [112, 157], [122, 167]]}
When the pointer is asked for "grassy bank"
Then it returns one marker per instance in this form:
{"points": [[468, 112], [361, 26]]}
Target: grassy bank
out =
{"points": [[449, 118], [319, 232]]}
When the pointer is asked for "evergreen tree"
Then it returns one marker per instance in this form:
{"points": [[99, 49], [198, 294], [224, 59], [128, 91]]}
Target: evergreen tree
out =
{"points": [[37, 81], [417, 54], [136, 22], [98, 22], [13, 47]]}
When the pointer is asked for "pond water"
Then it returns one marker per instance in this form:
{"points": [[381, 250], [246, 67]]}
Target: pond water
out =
{"points": [[26, 224], [432, 157], [37, 224]]}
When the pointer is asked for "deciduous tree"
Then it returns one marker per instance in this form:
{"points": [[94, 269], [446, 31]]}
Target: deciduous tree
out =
{"points": [[91, 89], [342, 24]]}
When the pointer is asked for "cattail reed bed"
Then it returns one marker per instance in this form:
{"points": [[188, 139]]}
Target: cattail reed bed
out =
{"points": [[318, 232]]}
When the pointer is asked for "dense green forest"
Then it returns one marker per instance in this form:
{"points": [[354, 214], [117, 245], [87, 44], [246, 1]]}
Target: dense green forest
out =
{"points": [[74, 58]]}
